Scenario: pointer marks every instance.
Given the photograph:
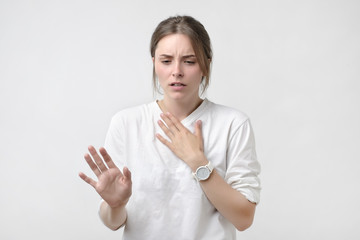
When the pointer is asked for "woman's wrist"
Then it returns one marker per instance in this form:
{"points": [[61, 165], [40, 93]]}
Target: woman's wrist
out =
{"points": [[113, 217], [120, 205], [198, 161]]}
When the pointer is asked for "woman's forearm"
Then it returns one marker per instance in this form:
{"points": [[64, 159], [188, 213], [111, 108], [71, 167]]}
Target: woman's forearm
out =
{"points": [[113, 218], [230, 203]]}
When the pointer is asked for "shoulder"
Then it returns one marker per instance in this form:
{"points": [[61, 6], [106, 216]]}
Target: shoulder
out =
{"points": [[225, 113]]}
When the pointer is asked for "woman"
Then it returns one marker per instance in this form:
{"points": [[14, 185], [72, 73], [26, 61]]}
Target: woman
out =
{"points": [[193, 162]]}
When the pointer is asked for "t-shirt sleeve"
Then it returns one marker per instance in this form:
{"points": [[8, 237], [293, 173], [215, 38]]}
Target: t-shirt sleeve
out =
{"points": [[242, 165]]}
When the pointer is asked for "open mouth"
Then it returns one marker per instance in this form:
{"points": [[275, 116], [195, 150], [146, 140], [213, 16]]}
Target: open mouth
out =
{"points": [[177, 84]]}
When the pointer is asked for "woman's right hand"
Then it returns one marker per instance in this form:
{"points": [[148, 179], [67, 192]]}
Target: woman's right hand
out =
{"points": [[113, 185]]}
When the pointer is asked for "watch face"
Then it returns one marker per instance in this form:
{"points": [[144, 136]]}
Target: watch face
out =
{"points": [[202, 173]]}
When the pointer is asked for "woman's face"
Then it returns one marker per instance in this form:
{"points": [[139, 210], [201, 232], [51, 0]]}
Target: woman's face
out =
{"points": [[177, 68]]}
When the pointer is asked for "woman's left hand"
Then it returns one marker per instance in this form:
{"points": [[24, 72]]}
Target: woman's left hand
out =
{"points": [[186, 145]]}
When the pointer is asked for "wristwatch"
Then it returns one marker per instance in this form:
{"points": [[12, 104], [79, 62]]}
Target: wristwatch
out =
{"points": [[203, 172]]}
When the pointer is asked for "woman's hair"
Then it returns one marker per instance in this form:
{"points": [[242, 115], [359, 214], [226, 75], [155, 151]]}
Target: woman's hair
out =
{"points": [[199, 38]]}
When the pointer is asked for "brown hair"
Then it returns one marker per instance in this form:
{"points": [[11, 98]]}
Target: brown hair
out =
{"points": [[199, 38]]}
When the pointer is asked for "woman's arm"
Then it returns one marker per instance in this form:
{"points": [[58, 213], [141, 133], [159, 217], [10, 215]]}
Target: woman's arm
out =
{"points": [[113, 186], [229, 202], [113, 218], [232, 204]]}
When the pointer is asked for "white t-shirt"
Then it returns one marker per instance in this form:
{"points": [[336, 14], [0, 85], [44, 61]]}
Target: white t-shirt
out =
{"points": [[167, 202]]}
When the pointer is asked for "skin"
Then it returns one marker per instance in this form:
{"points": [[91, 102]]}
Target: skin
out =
{"points": [[174, 62]]}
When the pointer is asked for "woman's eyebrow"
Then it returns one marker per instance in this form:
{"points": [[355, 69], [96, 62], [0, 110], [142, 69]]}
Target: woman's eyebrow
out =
{"points": [[189, 56], [166, 55], [185, 56]]}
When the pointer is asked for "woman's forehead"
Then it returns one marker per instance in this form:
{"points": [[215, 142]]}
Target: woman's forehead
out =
{"points": [[175, 44]]}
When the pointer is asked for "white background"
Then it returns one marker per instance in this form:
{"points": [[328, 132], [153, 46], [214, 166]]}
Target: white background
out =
{"points": [[293, 66]]}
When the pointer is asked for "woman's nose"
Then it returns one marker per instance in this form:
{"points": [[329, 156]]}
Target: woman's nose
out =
{"points": [[177, 71]]}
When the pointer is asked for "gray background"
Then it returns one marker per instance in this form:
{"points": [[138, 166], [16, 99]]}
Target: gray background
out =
{"points": [[293, 66]]}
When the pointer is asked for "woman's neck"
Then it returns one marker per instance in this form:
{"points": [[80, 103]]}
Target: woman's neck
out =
{"points": [[180, 109]]}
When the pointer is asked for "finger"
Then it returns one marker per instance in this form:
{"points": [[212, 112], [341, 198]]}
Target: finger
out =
{"points": [[176, 122], [92, 165], [98, 160], [87, 179], [127, 174], [198, 129], [165, 129], [107, 158], [170, 124], [164, 141], [198, 133]]}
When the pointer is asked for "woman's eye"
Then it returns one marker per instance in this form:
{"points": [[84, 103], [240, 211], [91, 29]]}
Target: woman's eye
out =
{"points": [[166, 61], [189, 62]]}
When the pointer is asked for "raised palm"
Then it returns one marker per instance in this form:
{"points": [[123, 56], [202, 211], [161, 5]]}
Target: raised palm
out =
{"points": [[113, 185]]}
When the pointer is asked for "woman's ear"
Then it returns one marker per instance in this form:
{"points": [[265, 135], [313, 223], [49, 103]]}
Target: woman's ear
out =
{"points": [[153, 59]]}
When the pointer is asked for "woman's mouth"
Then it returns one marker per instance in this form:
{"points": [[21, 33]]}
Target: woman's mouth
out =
{"points": [[177, 86]]}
